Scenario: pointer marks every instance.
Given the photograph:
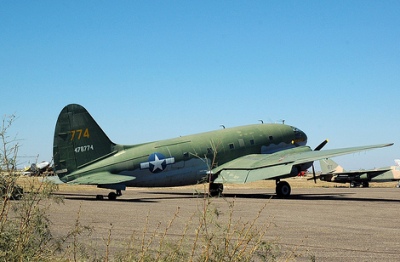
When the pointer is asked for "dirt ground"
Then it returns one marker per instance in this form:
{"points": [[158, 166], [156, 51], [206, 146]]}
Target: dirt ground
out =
{"points": [[325, 222]]}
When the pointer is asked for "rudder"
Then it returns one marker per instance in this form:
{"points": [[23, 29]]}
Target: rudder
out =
{"points": [[78, 140]]}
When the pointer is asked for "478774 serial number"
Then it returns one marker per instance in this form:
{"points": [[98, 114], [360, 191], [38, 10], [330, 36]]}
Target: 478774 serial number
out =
{"points": [[85, 148]]}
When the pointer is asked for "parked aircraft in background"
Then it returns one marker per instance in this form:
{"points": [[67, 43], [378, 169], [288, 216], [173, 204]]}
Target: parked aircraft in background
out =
{"points": [[37, 169], [83, 154], [333, 172]]}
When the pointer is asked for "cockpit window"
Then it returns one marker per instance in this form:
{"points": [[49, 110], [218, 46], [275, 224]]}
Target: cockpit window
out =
{"points": [[300, 137], [297, 132]]}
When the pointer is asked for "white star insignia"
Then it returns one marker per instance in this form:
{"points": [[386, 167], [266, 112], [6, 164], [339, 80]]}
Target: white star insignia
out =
{"points": [[157, 163]]}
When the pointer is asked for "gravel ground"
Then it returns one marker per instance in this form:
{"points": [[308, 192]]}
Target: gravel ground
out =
{"points": [[325, 224]]}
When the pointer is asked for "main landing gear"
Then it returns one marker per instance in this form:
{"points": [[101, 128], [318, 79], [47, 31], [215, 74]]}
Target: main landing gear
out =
{"points": [[111, 195], [282, 188], [359, 184], [215, 189]]}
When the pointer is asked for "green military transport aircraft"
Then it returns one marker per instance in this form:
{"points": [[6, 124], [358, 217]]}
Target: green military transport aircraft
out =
{"points": [[83, 154]]}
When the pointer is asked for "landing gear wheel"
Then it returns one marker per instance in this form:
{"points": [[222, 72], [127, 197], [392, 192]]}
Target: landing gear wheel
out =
{"points": [[216, 189], [365, 184], [283, 189], [99, 197], [112, 196]]}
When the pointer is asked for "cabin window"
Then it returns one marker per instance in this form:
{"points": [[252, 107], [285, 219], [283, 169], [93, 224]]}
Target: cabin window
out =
{"points": [[186, 154], [252, 142], [231, 146], [271, 138]]}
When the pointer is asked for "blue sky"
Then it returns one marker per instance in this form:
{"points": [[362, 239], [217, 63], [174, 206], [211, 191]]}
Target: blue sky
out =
{"points": [[151, 70]]}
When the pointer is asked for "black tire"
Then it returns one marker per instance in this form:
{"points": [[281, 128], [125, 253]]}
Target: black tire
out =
{"points": [[365, 184], [112, 196], [99, 197], [215, 189], [283, 189]]}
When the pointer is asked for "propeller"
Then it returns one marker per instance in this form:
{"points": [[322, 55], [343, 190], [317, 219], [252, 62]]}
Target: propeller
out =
{"points": [[319, 147], [313, 173]]}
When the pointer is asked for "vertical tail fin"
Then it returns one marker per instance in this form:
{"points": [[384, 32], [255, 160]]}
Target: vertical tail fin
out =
{"points": [[330, 166], [78, 140]]}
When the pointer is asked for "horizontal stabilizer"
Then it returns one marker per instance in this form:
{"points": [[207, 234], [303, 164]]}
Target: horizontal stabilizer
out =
{"points": [[101, 178], [52, 179]]}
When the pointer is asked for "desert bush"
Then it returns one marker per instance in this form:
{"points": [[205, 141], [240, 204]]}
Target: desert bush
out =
{"points": [[24, 223], [217, 237], [208, 235], [74, 245], [229, 239]]}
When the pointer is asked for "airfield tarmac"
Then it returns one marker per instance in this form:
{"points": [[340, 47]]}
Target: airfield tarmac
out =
{"points": [[315, 223]]}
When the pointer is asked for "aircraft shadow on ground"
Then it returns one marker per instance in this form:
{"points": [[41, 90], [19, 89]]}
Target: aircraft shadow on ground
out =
{"points": [[86, 197], [183, 195], [308, 196], [89, 197]]}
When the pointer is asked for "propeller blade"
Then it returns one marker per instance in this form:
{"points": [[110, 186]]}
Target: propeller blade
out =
{"points": [[320, 146], [313, 172]]}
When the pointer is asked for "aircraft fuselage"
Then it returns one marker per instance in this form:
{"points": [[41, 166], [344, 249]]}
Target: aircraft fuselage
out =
{"points": [[188, 159]]}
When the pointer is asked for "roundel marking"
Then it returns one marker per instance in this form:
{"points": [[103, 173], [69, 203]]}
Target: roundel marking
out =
{"points": [[157, 162]]}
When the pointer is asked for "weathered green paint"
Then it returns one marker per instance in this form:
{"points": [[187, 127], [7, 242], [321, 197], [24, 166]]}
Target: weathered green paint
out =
{"points": [[83, 154]]}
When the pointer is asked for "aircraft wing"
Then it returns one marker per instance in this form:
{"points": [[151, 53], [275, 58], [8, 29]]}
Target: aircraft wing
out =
{"points": [[373, 172], [101, 178], [277, 165]]}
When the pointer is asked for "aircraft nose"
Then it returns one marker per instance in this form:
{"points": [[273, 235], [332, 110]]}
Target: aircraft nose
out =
{"points": [[300, 138]]}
